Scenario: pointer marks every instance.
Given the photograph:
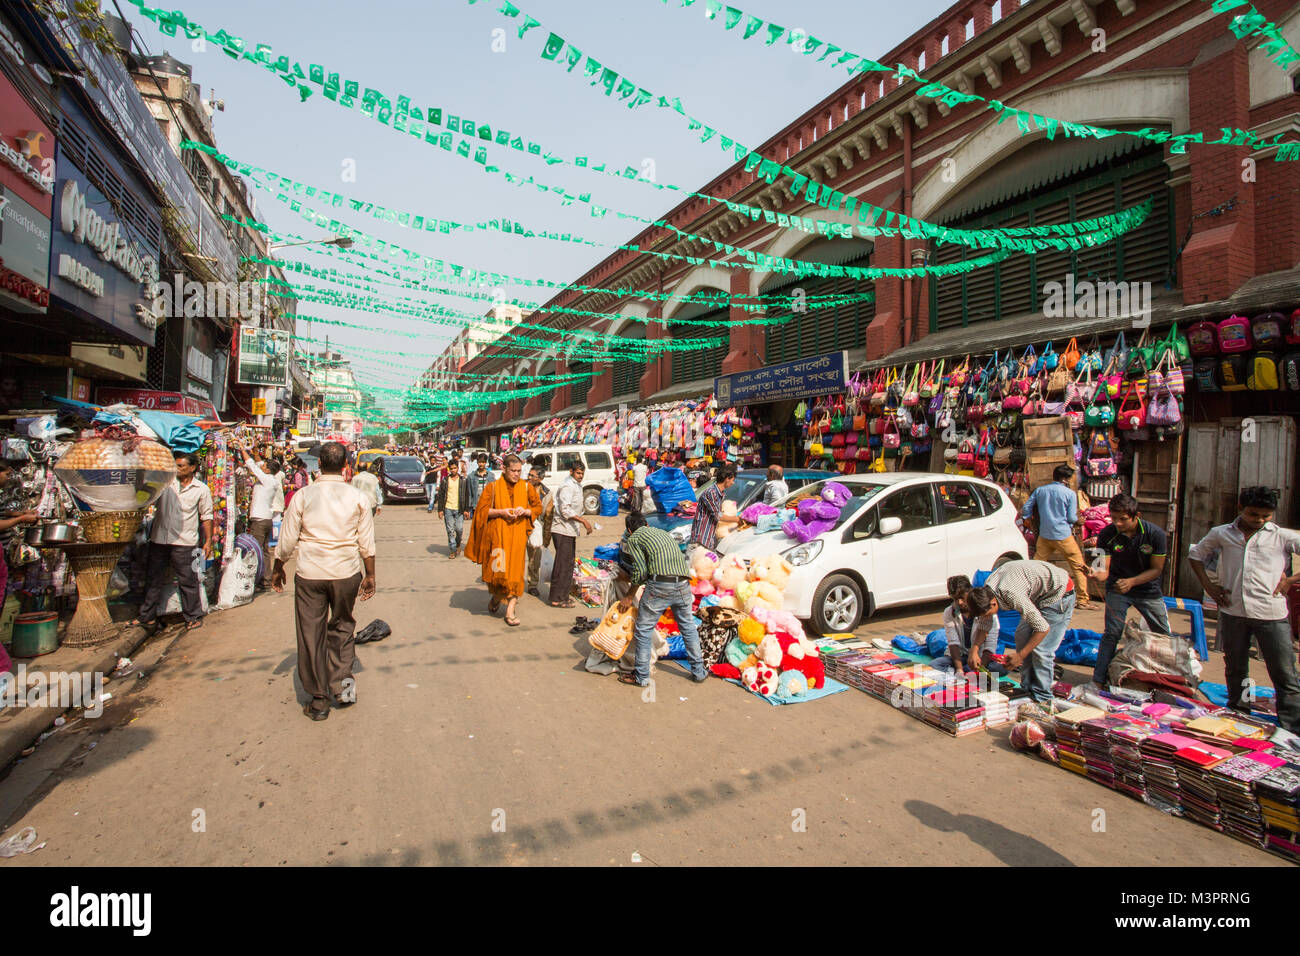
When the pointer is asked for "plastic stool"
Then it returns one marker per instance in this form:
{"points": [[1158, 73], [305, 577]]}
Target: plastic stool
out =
{"points": [[1197, 614]]}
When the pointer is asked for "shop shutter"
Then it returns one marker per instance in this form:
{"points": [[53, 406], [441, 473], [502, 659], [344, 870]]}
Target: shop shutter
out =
{"points": [[1016, 282], [690, 365], [1051, 265], [946, 305], [1098, 263]]}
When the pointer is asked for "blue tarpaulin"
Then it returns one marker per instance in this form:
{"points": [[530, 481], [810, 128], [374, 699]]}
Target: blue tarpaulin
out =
{"points": [[177, 432]]}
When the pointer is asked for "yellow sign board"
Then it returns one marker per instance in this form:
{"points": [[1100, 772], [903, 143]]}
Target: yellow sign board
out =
{"points": [[259, 406]]}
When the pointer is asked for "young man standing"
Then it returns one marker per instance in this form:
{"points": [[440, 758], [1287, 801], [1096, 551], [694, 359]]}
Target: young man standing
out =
{"points": [[569, 517], [454, 502], [331, 526], [1254, 557], [477, 480], [261, 513], [708, 513], [1057, 507], [536, 477], [182, 521], [433, 473], [1137, 551]]}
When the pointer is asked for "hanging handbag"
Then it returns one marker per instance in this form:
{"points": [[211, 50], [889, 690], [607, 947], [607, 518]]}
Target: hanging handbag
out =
{"points": [[1102, 466], [932, 384], [1080, 391], [1132, 411], [892, 437], [1049, 360], [1111, 378], [912, 393], [960, 375], [1162, 409], [1071, 356], [1099, 413]]}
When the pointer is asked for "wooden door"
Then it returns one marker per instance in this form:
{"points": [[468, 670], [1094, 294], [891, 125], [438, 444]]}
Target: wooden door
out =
{"points": [[1267, 446], [1210, 488], [1156, 487]]}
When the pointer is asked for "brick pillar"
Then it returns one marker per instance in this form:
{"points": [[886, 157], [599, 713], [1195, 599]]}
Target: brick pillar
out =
{"points": [[982, 13], [653, 380], [747, 342], [602, 384], [1221, 254], [885, 334], [1275, 219]]}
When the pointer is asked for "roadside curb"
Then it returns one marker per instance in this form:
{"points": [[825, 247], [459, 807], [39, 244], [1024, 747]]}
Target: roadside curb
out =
{"points": [[20, 727]]}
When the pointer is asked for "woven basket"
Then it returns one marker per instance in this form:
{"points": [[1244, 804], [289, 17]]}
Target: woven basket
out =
{"points": [[109, 527]]}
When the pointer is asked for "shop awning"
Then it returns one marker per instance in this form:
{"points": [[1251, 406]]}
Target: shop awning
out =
{"points": [[1276, 291]]}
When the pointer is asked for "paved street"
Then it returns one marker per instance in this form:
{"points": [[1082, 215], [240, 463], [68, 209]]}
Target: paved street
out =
{"points": [[463, 722]]}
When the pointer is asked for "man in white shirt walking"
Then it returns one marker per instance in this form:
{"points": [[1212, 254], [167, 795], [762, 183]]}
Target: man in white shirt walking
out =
{"points": [[331, 526], [1253, 578], [569, 516], [367, 482], [261, 510], [639, 473], [184, 512]]}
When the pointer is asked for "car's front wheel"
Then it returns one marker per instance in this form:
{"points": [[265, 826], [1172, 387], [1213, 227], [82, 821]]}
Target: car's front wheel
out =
{"points": [[837, 606], [591, 501]]}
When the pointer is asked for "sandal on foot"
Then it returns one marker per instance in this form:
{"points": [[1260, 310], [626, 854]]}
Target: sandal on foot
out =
{"points": [[494, 605], [194, 625], [512, 622], [629, 679], [565, 604]]}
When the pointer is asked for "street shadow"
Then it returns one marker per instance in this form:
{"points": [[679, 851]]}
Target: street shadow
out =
{"points": [[1009, 846]]}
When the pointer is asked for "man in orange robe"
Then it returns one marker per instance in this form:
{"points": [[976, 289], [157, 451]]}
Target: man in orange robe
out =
{"points": [[498, 538]]}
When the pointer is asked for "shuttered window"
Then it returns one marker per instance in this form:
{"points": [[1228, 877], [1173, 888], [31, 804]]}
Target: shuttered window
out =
{"points": [[579, 387], [820, 330], [1014, 287], [690, 365], [627, 377]]}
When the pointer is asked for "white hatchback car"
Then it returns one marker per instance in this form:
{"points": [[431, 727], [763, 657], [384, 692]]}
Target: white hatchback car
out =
{"points": [[896, 542]]}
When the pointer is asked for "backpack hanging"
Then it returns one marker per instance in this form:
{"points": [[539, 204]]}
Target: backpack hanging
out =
{"points": [[1263, 376], [1268, 330], [1203, 339], [1206, 372], [1293, 329], [1289, 372], [1233, 372], [1234, 335]]}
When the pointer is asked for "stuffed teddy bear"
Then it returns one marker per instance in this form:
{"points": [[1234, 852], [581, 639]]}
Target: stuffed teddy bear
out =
{"points": [[790, 685], [773, 569], [736, 651], [817, 515], [779, 622], [744, 592], [723, 669], [730, 574], [770, 651], [761, 679], [702, 587], [764, 596], [706, 563]]}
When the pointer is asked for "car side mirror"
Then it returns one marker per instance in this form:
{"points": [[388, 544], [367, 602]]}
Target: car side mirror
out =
{"points": [[889, 526]]}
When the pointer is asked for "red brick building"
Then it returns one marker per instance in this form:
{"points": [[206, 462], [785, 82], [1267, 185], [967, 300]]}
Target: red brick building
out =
{"points": [[1224, 234]]}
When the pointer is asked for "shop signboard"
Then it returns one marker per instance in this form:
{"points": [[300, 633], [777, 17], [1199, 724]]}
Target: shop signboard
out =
{"points": [[804, 378], [305, 425], [123, 110], [259, 406], [26, 200], [263, 357], [156, 401], [123, 360], [102, 268]]}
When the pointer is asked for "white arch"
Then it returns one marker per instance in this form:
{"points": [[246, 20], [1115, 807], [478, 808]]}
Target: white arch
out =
{"points": [[1154, 98], [701, 277], [628, 315]]}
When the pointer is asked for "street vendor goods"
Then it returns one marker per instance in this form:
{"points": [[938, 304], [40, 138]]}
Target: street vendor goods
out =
{"points": [[110, 474]]}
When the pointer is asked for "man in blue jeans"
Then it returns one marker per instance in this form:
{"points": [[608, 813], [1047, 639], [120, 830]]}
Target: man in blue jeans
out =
{"points": [[656, 561], [1044, 596], [1137, 551], [1254, 557]]}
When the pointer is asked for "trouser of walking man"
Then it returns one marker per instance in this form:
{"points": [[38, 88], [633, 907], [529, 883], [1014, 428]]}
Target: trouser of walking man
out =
{"points": [[181, 559], [636, 504], [326, 651], [1067, 548], [455, 522], [260, 529], [1036, 672], [562, 570], [1274, 639], [432, 492], [534, 567], [1153, 611], [657, 597]]}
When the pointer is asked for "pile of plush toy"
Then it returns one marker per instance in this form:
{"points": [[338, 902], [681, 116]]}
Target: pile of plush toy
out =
{"points": [[756, 642]]}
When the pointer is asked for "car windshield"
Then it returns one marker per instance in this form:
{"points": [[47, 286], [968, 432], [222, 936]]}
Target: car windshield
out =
{"points": [[393, 467], [740, 490], [862, 492]]}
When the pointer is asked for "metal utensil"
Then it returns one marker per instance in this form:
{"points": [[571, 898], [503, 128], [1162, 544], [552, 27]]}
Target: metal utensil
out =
{"points": [[60, 533]]}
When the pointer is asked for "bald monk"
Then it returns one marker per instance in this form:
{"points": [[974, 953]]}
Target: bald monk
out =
{"points": [[498, 538]]}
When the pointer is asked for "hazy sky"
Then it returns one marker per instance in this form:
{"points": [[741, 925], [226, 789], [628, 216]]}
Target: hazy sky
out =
{"points": [[441, 54]]}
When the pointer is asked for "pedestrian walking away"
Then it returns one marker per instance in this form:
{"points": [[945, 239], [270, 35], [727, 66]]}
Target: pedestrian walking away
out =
{"points": [[1056, 508], [1136, 552], [331, 527], [182, 522], [1250, 586], [539, 539], [498, 536], [657, 562], [569, 518], [367, 482], [261, 509]]}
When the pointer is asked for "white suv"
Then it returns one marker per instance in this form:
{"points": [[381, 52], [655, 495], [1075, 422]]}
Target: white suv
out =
{"points": [[897, 541], [597, 460]]}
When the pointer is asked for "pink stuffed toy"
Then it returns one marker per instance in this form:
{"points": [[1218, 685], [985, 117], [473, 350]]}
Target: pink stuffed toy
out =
{"points": [[816, 515], [778, 622], [761, 679]]}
